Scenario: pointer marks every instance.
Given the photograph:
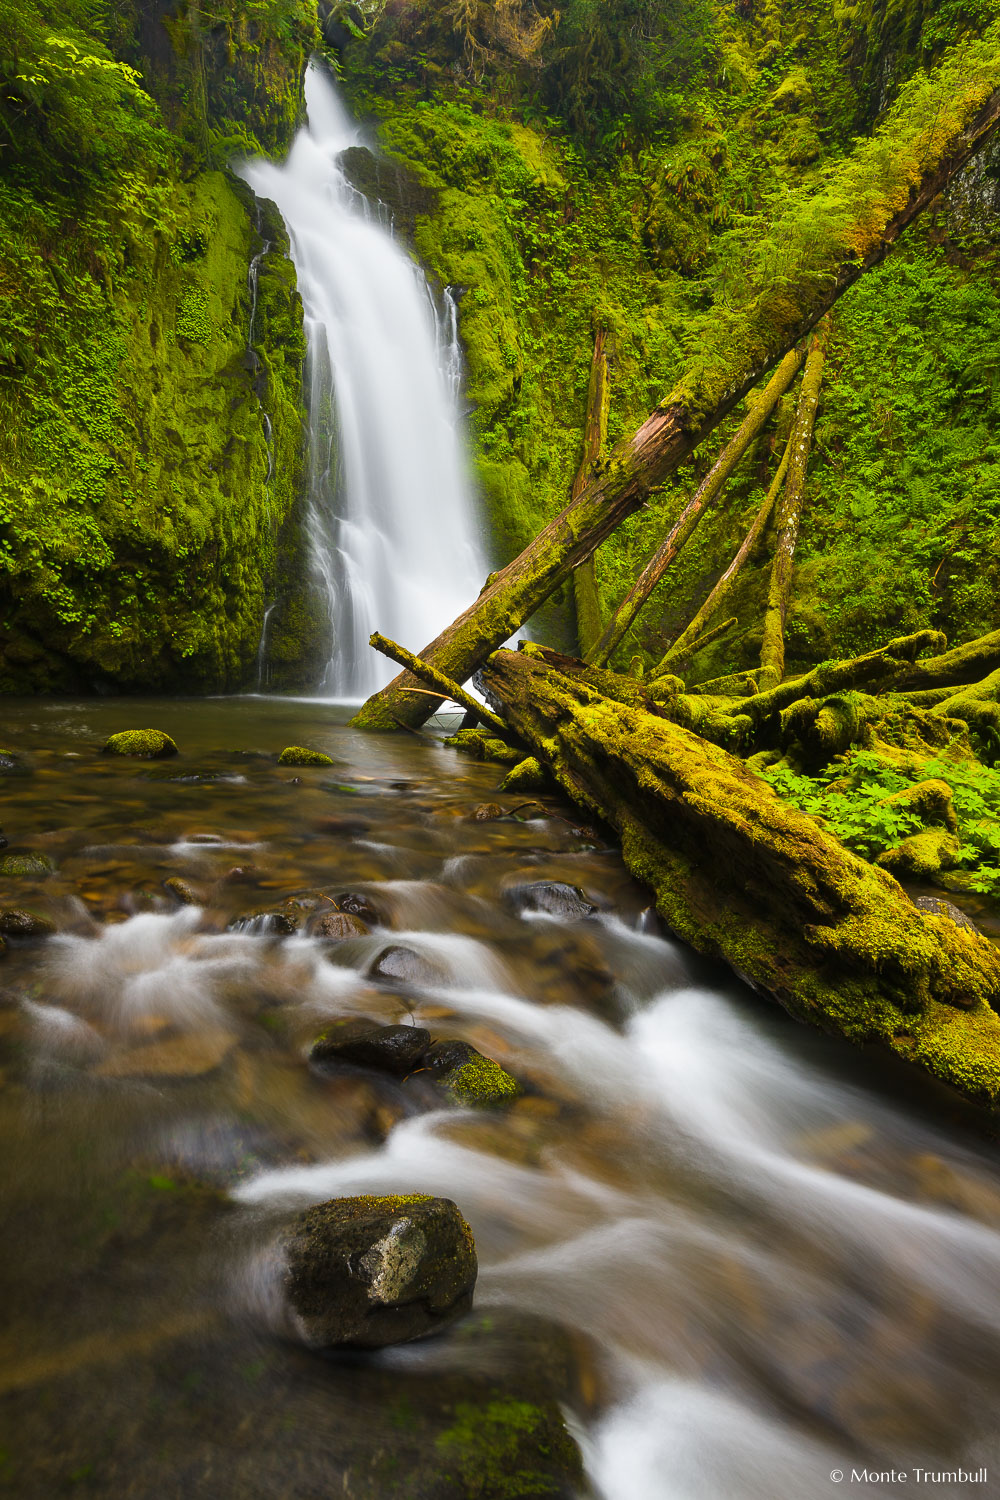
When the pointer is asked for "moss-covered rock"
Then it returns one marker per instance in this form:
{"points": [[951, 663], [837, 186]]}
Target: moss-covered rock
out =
{"points": [[26, 866], [923, 855], [370, 1271], [299, 755], [143, 744], [468, 1078]]}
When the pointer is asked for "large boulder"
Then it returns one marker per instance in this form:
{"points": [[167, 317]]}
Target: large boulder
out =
{"points": [[371, 1271]]}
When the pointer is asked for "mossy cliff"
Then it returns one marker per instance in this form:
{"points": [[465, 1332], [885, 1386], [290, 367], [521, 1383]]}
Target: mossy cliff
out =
{"points": [[566, 187], [140, 532]]}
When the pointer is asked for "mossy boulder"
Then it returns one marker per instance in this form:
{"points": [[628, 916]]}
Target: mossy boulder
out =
{"points": [[922, 855], [299, 755], [26, 866], [371, 1271], [141, 744], [512, 1448], [468, 1078]]}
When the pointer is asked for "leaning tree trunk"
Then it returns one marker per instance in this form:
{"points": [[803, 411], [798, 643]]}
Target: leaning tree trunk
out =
{"points": [[772, 654], [742, 876], [704, 496], [595, 435], [692, 635], [830, 239]]}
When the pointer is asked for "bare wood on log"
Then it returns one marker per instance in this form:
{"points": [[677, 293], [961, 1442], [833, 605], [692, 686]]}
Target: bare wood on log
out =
{"points": [[595, 434], [688, 640], [772, 653], [705, 495], [442, 685], [865, 205]]}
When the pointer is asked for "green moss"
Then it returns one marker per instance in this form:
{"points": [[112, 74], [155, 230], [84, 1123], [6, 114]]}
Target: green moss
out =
{"points": [[26, 866], [481, 1083], [146, 744], [298, 755], [509, 1450]]}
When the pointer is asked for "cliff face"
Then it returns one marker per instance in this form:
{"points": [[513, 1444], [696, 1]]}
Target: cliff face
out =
{"points": [[617, 167], [140, 534]]}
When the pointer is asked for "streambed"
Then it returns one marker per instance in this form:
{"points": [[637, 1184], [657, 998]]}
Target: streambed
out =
{"points": [[740, 1256]]}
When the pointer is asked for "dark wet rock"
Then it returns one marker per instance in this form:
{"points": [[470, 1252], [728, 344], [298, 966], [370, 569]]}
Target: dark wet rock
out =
{"points": [[356, 904], [181, 891], [267, 923], [401, 965], [26, 866], [941, 908], [468, 1078], [388, 1049], [389, 183], [11, 764], [553, 897], [299, 755], [371, 1271], [241, 875], [345, 827], [141, 744], [24, 924], [487, 812], [338, 926]]}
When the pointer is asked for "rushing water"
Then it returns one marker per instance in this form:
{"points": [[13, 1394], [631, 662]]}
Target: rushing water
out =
{"points": [[741, 1256], [392, 518]]}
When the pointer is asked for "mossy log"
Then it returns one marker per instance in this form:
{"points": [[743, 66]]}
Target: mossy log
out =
{"points": [[595, 435], [957, 667], [743, 877], [831, 238], [437, 681], [704, 496], [772, 651]]}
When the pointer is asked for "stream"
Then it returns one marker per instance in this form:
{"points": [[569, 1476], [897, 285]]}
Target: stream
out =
{"points": [[741, 1256]]}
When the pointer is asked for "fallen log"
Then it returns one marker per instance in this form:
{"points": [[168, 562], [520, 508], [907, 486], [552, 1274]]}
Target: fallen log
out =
{"points": [[595, 435], [704, 496], [954, 668], [443, 686], [830, 238], [743, 877], [772, 651], [688, 640]]}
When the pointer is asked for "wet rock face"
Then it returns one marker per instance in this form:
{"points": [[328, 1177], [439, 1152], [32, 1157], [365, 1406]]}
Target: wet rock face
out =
{"points": [[402, 965], [142, 744], [937, 907], [389, 1049], [338, 926], [24, 924], [354, 904], [367, 1272], [567, 902]]}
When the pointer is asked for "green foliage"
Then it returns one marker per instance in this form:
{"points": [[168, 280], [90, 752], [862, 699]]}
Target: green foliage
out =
{"points": [[850, 799]]}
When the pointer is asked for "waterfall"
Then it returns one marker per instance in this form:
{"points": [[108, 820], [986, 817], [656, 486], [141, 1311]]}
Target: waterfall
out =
{"points": [[392, 525]]}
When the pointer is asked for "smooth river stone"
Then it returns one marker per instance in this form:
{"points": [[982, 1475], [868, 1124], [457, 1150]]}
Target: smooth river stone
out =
{"points": [[191, 1056], [388, 1049], [371, 1271]]}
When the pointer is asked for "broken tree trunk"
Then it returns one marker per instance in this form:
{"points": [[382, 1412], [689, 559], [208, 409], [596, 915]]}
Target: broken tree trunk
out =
{"points": [[772, 653], [742, 876], [688, 640], [595, 434], [830, 239], [705, 495]]}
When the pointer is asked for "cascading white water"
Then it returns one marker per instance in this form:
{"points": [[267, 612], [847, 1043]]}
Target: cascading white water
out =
{"points": [[392, 521]]}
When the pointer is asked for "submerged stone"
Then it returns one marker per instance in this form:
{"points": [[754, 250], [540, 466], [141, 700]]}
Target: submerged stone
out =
{"points": [[280, 923], [389, 1049], [24, 924], [179, 1057], [141, 744], [403, 965], [553, 897], [26, 866], [370, 1271], [181, 891], [299, 755]]}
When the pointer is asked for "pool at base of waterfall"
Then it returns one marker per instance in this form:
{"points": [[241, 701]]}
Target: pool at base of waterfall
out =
{"points": [[720, 1257]]}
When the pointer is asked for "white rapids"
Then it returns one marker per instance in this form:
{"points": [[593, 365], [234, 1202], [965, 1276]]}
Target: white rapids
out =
{"points": [[393, 529]]}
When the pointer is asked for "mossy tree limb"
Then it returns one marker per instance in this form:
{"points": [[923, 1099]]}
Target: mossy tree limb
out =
{"points": [[743, 877], [441, 685], [704, 496], [831, 238], [772, 654], [595, 433], [694, 635], [954, 668]]}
